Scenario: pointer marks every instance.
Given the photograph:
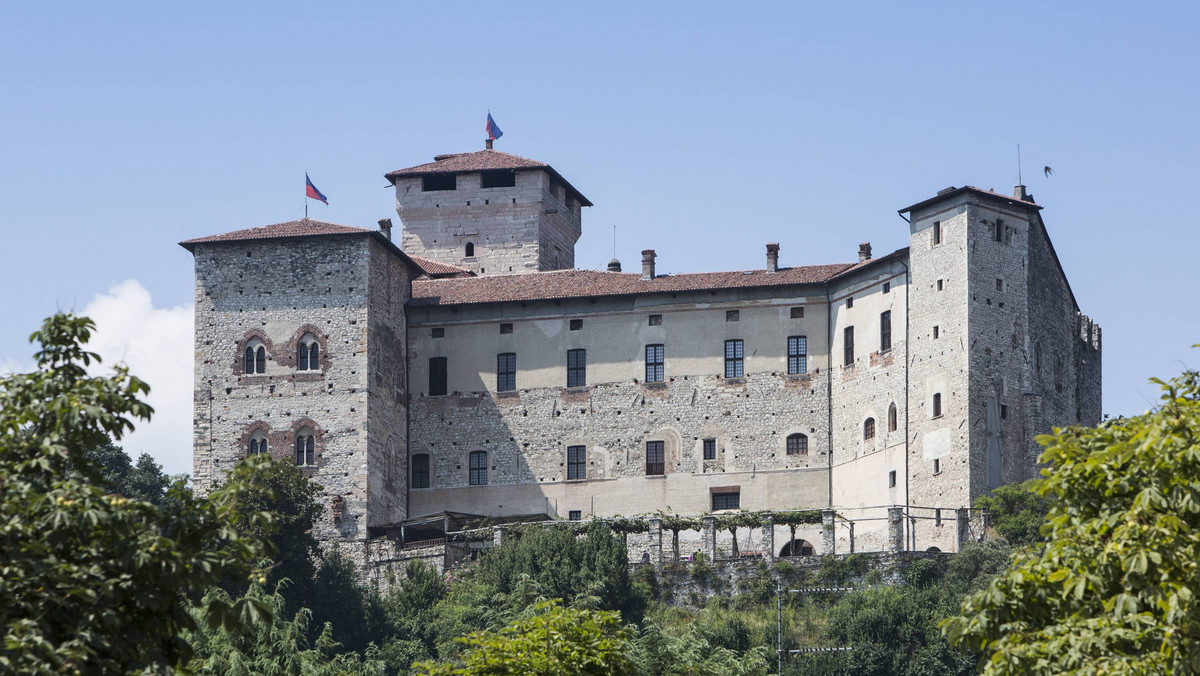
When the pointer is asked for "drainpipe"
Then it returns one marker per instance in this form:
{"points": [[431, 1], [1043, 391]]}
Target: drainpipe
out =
{"points": [[907, 369], [829, 388]]}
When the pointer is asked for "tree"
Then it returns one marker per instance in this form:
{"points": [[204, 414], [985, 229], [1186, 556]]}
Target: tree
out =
{"points": [[551, 639], [1112, 589], [94, 582], [144, 481], [732, 522], [1016, 512]]}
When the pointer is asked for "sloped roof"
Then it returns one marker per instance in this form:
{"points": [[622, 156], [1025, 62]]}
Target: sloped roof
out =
{"points": [[482, 160], [592, 283], [437, 269], [951, 192], [302, 228]]}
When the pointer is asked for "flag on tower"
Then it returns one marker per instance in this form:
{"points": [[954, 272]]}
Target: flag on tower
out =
{"points": [[493, 131], [311, 190]]}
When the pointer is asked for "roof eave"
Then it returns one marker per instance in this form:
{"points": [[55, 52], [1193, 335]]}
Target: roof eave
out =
{"points": [[190, 245], [1012, 201], [392, 176]]}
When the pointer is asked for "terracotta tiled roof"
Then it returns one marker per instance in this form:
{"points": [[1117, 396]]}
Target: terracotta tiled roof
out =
{"points": [[950, 192], [482, 160], [301, 228], [436, 269], [586, 283]]}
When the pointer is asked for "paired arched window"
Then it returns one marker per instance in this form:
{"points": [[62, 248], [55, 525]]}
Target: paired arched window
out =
{"points": [[257, 443], [868, 429], [254, 359], [478, 468], [306, 447], [797, 444], [308, 354]]}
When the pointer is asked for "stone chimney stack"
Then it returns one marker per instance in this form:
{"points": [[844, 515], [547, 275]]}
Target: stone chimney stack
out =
{"points": [[773, 257], [385, 226], [864, 252], [648, 263], [1019, 193]]}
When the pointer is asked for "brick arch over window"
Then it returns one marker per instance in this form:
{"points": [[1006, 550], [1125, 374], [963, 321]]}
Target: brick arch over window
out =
{"points": [[254, 338], [259, 433], [305, 427], [307, 334]]}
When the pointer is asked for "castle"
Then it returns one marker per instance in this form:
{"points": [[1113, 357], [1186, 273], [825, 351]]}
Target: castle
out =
{"points": [[466, 369]]}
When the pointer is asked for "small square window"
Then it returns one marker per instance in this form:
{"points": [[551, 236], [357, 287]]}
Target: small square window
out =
{"points": [[655, 320], [935, 332], [506, 328], [939, 285], [999, 284], [710, 449], [576, 324], [937, 466], [575, 515], [439, 333], [797, 313], [892, 479], [732, 315], [849, 302], [887, 287]]}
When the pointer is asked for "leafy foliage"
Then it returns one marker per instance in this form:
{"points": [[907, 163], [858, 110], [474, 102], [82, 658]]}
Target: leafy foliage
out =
{"points": [[94, 582], [1016, 512], [144, 481], [1113, 587]]}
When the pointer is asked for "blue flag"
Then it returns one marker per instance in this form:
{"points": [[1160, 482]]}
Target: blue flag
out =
{"points": [[492, 130]]}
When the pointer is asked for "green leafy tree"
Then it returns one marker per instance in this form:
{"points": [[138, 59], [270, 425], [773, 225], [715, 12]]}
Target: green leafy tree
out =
{"points": [[93, 582], [409, 611], [1016, 512], [550, 640], [142, 481], [1113, 587], [732, 522], [662, 651]]}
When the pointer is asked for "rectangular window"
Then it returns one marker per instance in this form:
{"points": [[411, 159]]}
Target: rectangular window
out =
{"points": [[434, 182], [576, 462], [887, 287], [999, 232], [936, 332], [892, 479], [734, 359], [849, 302], [576, 368], [710, 449], [506, 372], [1003, 411], [848, 346], [937, 232], [797, 354], [939, 285], [937, 405], [420, 470], [438, 332], [733, 315], [575, 515], [478, 469], [437, 376], [885, 331], [505, 328], [654, 458], [655, 320], [654, 364], [726, 501], [497, 178], [576, 324], [937, 466], [797, 313], [999, 284]]}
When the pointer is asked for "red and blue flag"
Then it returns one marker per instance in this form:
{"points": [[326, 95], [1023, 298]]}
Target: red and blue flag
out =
{"points": [[311, 190], [493, 131]]}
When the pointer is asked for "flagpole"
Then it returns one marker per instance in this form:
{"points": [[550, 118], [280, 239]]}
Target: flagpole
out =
{"points": [[306, 196]]}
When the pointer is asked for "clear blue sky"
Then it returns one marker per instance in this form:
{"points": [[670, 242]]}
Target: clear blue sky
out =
{"points": [[700, 130]]}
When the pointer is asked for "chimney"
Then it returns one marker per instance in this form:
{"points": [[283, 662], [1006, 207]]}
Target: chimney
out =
{"points": [[773, 257], [864, 252], [385, 226], [614, 265], [488, 144], [648, 264], [1019, 193]]}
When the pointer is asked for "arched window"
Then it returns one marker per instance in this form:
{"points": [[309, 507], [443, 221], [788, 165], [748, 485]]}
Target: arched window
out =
{"points": [[797, 444], [892, 422], [254, 359], [420, 470], [478, 469], [868, 429], [470, 250], [257, 443], [308, 354], [305, 447], [797, 547]]}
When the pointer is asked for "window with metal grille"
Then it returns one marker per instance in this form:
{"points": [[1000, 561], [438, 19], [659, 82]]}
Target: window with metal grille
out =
{"points": [[477, 475], [420, 470], [733, 315], [726, 501], [885, 331], [734, 359], [797, 313], [849, 302], [506, 328], [797, 354], [305, 448], [937, 404], [654, 363], [848, 346], [576, 368], [868, 429], [437, 376], [506, 372], [655, 451], [655, 320], [710, 449], [576, 324], [576, 462], [797, 444], [575, 515]]}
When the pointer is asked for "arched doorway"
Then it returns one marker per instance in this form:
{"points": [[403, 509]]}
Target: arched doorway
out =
{"points": [[934, 549], [797, 547]]}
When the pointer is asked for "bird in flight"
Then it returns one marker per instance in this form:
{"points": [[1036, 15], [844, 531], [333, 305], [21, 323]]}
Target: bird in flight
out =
{"points": [[1049, 172]]}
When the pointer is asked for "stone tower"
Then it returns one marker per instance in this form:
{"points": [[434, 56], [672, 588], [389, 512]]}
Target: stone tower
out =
{"points": [[489, 212]]}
